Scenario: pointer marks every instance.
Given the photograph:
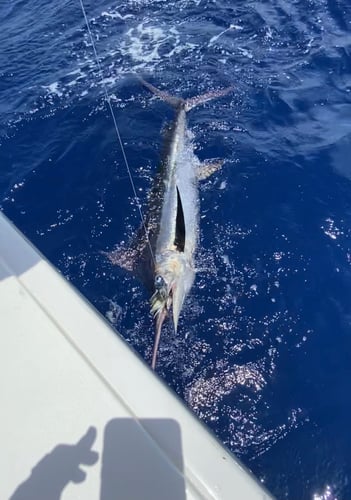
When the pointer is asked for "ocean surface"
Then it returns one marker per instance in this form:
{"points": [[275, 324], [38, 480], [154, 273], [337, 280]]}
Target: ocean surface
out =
{"points": [[263, 350]]}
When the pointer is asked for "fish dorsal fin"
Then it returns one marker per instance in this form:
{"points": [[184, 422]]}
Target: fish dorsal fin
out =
{"points": [[205, 170], [179, 240]]}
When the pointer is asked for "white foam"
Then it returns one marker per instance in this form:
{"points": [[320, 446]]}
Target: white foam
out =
{"points": [[231, 27], [148, 44], [53, 89], [245, 52], [116, 15]]}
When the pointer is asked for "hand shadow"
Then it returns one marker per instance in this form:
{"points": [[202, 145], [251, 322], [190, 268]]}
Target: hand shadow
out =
{"points": [[52, 474]]}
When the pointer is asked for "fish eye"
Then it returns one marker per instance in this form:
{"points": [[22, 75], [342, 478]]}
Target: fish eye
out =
{"points": [[159, 282]]}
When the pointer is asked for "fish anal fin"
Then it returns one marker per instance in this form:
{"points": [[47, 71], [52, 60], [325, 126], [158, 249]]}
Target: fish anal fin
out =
{"points": [[205, 170]]}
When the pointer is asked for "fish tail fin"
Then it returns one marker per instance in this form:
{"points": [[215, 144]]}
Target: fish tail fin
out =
{"points": [[190, 103], [208, 96], [175, 102]]}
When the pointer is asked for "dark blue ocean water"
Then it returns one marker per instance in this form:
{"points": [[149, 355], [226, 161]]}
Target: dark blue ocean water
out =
{"points": [[263, 350]]}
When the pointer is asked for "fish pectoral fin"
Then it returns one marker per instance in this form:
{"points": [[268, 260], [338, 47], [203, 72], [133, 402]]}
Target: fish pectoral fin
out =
{"points": [[205, 170]]}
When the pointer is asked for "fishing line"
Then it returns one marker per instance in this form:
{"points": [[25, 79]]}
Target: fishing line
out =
{"points": [[108, 99]]}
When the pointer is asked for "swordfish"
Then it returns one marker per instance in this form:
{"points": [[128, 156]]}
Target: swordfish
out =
{"points": [[163, 251]]}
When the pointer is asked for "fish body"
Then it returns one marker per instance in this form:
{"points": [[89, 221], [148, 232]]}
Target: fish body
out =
{"points": [[177, 236], [166, 252]]}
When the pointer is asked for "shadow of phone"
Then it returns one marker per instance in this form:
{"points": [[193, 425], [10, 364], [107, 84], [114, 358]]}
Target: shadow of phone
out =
{"points": [[135, 467]]}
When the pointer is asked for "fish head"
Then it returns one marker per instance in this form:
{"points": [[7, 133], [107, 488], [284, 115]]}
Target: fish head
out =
{"points": [[174, 276]]}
